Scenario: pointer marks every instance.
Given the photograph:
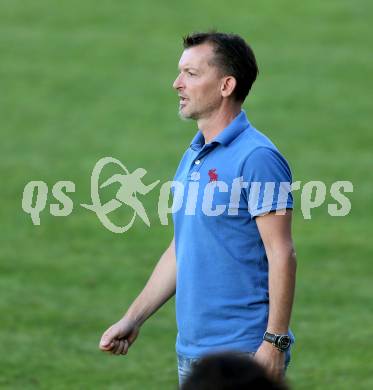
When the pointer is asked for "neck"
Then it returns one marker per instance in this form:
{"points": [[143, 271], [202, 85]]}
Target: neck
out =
{"points": [[217, 121]]}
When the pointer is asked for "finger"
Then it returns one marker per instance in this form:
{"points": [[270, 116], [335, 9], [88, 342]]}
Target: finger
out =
{"points": [[106, 341], [125, 348], [115, 345], [119, 350], [107, 348]]}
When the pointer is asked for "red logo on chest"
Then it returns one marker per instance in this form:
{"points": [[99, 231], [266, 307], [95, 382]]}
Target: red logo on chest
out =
{"points": [[213, 175]]}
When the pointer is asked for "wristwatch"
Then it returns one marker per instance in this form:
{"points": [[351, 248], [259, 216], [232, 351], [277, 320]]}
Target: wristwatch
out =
{"points": [[280, 341]]}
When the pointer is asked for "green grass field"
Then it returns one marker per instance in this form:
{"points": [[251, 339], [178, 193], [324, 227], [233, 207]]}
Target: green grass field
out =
{"points": [[83, 80]]}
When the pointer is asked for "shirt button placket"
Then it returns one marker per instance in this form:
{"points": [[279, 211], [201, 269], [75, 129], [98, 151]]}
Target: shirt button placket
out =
{"points": [[195, 167]]}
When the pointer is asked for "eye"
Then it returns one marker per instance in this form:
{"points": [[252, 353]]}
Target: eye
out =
{"points": [[191, 74]]}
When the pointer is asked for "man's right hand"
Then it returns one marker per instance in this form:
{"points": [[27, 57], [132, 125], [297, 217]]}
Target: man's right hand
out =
{"points": [[119, 337]]}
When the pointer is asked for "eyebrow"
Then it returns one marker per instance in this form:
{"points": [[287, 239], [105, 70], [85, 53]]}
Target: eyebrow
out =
{"points": [[188, 68]]}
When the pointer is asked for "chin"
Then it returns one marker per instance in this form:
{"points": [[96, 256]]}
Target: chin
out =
{"points": [[189, 115], [184, 114]]}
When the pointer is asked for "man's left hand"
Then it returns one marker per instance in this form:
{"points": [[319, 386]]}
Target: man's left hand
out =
{"points": [[271, 359]]}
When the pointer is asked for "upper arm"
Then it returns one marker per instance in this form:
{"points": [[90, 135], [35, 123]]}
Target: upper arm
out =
{"points": [[275, 232], [172, 244], [269, 181]]}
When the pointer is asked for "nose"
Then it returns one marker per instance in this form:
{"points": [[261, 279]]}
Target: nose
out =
{"points": [[178, 82]]}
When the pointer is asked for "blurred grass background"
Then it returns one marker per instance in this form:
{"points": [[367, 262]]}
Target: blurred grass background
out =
{"points": [[83, 80]]}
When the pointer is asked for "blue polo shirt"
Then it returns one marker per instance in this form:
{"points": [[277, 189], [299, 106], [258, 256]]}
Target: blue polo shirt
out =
{"points": [[222, 298]]}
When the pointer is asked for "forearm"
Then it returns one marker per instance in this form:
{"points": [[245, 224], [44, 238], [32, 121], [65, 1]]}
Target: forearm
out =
{"points": [[159, 289], [282, 271]]}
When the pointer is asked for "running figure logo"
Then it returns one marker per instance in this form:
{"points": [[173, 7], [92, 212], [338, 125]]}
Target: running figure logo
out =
{"points": [[130, 184], [213, 175]]}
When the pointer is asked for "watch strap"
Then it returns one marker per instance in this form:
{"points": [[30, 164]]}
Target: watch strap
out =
{"points": [[270, 337], [277, 339]]}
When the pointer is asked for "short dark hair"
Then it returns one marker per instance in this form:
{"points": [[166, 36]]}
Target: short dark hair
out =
{"points": [[229, 371], [233, 56]]}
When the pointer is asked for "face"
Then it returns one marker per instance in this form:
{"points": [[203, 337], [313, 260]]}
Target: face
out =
{"points": [[198, 83]]}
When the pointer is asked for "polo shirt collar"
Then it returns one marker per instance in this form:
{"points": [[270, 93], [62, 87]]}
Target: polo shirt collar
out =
{"points": [[225, 137]]}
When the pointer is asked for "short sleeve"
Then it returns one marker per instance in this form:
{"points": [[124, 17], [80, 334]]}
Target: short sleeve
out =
{"points": [[268, 177]]}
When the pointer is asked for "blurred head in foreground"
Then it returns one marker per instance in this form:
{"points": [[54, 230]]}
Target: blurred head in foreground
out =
{"points": [[229, 371]]}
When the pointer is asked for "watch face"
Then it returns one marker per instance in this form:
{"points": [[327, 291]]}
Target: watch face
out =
{"points": [[284, 342]]}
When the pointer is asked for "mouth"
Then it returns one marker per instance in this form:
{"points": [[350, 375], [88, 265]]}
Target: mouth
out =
{"points": [[182, 100]]}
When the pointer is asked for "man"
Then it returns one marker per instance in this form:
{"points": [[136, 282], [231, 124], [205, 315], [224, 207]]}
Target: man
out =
{"points": [[231, 262]]}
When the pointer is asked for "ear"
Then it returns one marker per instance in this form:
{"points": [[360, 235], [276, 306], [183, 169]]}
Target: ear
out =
{"points": [[228, 85]]}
